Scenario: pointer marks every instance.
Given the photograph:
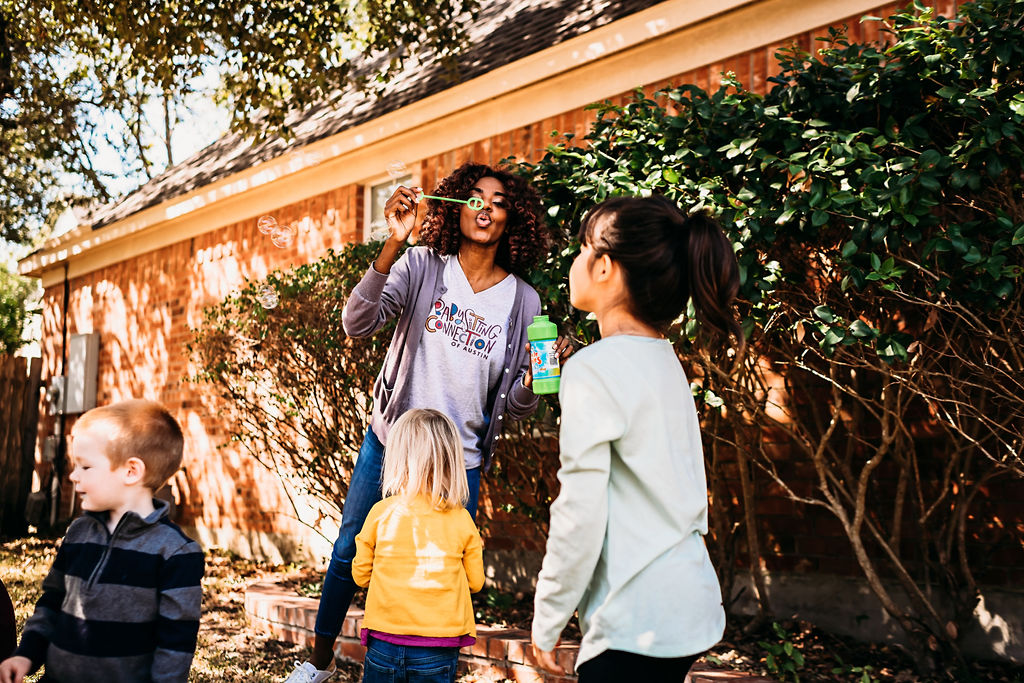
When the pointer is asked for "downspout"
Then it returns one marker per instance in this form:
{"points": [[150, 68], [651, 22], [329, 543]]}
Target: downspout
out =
{"points": [[62, 445]]}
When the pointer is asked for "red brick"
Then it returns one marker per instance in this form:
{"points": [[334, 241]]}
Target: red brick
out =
{"points": [[349, 627], [479, 648], [565, 655], [350, 649], [525, 674], [520, 651], [489, 670]]}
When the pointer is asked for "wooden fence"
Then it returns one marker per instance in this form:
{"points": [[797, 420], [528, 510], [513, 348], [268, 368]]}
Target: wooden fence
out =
{"points": [[19, 421]]}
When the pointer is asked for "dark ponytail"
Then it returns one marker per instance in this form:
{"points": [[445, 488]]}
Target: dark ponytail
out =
{"points": [[668, 258]]}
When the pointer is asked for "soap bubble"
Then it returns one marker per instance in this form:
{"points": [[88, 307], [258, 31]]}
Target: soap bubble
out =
{"points": [[267, 296], [380, 232], [266, 224], [283, 235], [397, 170]]}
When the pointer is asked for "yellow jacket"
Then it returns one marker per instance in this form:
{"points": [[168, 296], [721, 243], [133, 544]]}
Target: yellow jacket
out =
{"points": [[421, 565]]}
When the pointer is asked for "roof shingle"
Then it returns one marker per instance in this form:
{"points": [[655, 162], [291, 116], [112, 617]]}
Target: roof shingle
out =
{"points": [[504, 32]]}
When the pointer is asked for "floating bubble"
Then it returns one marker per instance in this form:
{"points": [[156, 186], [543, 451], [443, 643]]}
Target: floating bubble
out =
{"points": [[267, 296], [380, 232], [283, 235], [396, 169], [266, 224]]}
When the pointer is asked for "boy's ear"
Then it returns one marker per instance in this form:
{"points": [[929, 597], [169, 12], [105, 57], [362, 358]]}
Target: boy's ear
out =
{"points": [[134, 470]]}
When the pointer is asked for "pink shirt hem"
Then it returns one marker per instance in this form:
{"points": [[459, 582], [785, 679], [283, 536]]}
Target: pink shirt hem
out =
{"points": [[416, 641]]}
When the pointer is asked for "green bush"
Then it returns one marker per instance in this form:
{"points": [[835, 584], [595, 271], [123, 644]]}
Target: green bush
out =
{"points": [[296, 392], [16, 306], [874, 199]]}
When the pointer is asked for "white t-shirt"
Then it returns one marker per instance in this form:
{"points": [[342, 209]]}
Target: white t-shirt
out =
{"points": [[625, 544], [462, 353]]}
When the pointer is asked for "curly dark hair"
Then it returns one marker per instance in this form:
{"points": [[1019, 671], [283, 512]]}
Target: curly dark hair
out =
{"points": [[525, 238]]}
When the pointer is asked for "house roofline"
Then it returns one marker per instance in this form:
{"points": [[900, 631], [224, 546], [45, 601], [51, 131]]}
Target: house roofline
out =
{"points": [[648, 46]]}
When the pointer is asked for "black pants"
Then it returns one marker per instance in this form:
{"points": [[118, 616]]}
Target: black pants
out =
{"points": [[615, 666]]}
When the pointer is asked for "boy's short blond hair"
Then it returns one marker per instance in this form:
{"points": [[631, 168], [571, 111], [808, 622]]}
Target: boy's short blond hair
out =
{"points": [[424, 457], [139, 429]]}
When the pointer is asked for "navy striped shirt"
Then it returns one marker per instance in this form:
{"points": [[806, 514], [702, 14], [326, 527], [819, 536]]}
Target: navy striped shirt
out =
{"points": [[121, 606]]}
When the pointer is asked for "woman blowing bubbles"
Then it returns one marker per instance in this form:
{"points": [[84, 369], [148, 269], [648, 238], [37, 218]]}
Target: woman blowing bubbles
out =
{"points": [[459, 345]]}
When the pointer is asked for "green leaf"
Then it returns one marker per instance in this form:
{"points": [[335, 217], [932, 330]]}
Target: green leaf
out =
{"points": [[860, 329], [824, 313], [1018, 237], [833, 336], [929, 158]]}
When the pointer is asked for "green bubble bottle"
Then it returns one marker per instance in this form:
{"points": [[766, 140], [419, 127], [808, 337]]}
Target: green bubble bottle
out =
{"points": [[542, 334]]}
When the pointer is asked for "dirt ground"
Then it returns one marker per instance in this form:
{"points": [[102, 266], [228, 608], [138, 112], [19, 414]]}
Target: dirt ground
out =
{"points": [[230, 650]]}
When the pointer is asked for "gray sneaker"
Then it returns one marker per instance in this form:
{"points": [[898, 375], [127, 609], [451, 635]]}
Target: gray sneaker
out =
{"points": [[307, 673]]}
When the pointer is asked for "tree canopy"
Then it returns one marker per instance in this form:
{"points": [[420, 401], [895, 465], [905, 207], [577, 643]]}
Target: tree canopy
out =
{"points": [[15, 293], [73, 73]]}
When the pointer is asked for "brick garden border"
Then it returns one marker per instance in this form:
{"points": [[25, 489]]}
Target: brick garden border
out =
{"points": [[498, 654]]}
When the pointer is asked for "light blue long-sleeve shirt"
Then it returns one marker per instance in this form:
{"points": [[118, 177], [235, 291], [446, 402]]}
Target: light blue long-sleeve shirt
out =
{"points": [[626, 542]]}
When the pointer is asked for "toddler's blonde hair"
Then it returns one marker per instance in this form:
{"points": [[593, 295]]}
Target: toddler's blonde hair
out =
{"points": [[424, 457]]}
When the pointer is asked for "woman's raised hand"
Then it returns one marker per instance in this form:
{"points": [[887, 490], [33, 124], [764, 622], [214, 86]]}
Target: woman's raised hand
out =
{"points": [[401, 213]]}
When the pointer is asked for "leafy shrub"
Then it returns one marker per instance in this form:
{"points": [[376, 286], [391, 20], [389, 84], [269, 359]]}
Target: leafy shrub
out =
{"points": [[297, 393], [874, 198], [782, 656]]}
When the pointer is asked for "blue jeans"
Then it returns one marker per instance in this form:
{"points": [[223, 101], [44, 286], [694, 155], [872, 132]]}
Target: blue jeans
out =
{"points": [[363, 493], [389, 663]]}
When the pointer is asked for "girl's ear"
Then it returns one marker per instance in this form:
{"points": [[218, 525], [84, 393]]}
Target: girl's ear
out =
{"points": [[601, 268], [134, 470]]}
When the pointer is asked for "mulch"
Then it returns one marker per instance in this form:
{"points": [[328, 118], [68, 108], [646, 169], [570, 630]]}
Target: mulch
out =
{"points": [[230, 650]]}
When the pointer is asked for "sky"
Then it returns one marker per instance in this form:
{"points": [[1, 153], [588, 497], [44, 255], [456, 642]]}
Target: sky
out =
{"points": [[201, 122]]}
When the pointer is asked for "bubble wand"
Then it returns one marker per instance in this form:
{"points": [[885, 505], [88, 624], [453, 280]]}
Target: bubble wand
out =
{"points": [[398, 171], [474, 203]]}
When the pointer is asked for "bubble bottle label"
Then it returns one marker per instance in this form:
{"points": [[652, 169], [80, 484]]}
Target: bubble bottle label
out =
{"points": [[544, 360]]}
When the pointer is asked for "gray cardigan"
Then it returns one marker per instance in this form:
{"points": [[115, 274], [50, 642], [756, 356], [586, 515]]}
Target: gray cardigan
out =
{"points": [[409, 291]]}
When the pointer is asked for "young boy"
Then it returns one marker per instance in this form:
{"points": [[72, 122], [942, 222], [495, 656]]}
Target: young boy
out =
{"points": [[122, 600]]}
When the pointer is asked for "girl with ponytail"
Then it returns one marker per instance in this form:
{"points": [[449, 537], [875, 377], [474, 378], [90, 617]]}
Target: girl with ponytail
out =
{"points": [[626, 545]]}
